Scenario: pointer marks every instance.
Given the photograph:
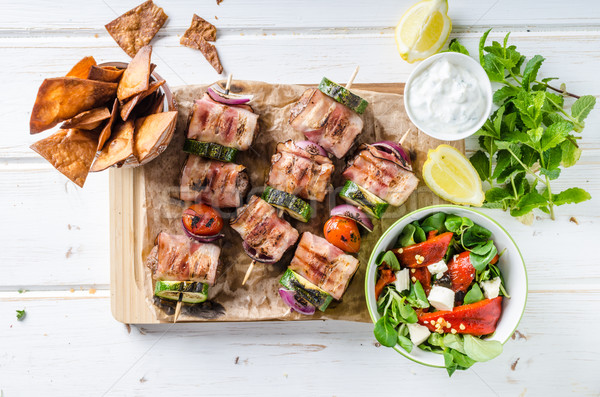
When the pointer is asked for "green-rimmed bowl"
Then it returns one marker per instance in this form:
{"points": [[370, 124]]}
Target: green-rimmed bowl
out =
{"points": [[511, 264]]}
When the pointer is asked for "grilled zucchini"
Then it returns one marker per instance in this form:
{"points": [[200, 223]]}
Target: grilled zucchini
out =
{"points": [[210, 150], [191, 292], [362, 198], [295, 206], [306, 290]]}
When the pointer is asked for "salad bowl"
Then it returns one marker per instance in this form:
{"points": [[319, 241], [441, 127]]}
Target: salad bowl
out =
{"points": [[511, 265]]}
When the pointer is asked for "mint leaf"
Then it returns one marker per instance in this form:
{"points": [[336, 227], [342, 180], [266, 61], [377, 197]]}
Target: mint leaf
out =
{"points": [[531, 70], [570, 153], [481, 163], [503, 160], [551, 174], [573, 195], [555, 134], [504, 93], [21, 315], [528, 203], [493, 67], [482, 44], [497, 194], [582, 107], [455, 46], [552, 158]]}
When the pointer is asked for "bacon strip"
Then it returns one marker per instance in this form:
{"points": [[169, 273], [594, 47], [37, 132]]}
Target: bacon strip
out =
{"points": [[383, 178], [295, 171], [179, 258], [324, 264], [326, 122], [213, 182], [260, 227], [231, 126]]}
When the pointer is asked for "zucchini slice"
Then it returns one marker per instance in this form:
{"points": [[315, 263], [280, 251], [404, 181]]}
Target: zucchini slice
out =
{"points": [[295, 206], [343, 96], [192, 292], [362, 198], [306, 290], [210, 150]]}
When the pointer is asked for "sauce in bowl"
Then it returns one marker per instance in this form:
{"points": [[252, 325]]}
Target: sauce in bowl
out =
{"points": [[448, 96]]}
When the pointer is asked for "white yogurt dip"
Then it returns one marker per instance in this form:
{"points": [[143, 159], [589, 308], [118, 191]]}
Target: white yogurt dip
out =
{"points": [[446, 97]]}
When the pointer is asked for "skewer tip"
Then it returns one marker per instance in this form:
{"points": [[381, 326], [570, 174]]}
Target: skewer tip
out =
{"points": [[248, 272], [228, 84], [349, 84], [177, 311]]}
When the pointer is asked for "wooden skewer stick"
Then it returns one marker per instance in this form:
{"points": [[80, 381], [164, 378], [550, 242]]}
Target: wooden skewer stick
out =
{"points": [[404, 136], [178, 308], [248, 272], [349, 84], [228, 85]]}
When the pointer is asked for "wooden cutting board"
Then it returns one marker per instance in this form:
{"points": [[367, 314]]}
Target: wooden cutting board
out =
{"points": [[127, 227]]}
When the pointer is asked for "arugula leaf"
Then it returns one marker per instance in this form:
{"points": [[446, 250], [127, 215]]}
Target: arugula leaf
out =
{"points": [[573, 195], [389, 258], [531, 70], [582, 107], [385, 333], [21, 315], [455, 46], [474, 295], [481, 349]]}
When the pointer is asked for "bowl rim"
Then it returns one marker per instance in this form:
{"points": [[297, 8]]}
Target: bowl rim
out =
{"points": [[389, 230], [487, 88]]}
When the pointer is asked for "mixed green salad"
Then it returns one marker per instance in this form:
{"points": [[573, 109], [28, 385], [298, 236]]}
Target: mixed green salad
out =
{"points": [[440, 288]]}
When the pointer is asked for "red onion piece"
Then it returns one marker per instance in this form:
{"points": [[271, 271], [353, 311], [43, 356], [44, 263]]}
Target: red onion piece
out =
{"points": [[200, 238], [400, 155], [217, 93], [311, 148], [354, 213], [289, 298], [251, 252]]}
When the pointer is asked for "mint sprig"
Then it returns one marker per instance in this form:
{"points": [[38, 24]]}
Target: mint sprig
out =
{"points": [[531, 135]]}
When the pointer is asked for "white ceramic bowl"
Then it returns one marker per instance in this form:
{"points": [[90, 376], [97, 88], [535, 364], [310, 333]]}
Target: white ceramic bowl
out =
{"points": [[476, 70], [511, 264]]}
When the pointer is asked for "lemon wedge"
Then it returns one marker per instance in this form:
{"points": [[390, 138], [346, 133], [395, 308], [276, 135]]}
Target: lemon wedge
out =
{"points": [[423, 30], [449, 174]]}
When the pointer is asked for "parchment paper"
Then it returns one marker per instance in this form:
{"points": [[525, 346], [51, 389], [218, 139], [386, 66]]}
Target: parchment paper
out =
{"points": [[384, 119]]}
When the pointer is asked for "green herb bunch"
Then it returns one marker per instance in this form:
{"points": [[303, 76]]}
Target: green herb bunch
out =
{"points": [[531, 135]]}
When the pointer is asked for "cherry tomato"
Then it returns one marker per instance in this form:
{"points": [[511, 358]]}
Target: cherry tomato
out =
{"points": [[202, 219], [343, 233]]}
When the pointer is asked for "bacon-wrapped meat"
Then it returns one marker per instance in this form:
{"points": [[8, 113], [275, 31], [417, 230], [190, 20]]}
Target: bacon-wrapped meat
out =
{"points": [[298, 172], [214, 182], [232, 126], [324, 264], [326, 122], [379, 173], [263, 231], [179, 258]]}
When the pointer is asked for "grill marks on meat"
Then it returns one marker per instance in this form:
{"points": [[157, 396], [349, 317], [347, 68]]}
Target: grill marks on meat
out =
{"points": [[383, 178], [324, 264], [326, 122], [260, 227], [231, 126], [295, 171], [213, 182], [178, 258]]}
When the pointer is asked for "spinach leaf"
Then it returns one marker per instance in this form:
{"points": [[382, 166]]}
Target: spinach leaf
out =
{"points": [[434, 222], [454, 341], [389, 258], [435, 339], [411, 234], [417, 296], [408, 313], [403, 340], [385, 333], [479, 262], [474, 295], [449, 363], [475, 235], [462, 360], [482, 249], [481, 349]]}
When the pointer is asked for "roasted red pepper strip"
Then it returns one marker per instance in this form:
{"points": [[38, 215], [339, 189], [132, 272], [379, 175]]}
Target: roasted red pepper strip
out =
{"points": [[461, 272], [423, 275], [386, 276], [425, 253], [476, 319], [494, 260], [431, 234]]}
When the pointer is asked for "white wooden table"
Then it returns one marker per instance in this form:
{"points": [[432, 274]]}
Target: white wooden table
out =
{"points": [[54, 236]]}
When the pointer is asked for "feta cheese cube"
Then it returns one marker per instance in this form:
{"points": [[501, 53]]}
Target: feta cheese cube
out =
{"points": [[438, 268], [402, 282], [491, 288], [418, 333], [441, 298]]}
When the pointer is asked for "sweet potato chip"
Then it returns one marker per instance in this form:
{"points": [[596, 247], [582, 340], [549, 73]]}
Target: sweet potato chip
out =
{"points": [[130, 104], [106, 131], [87, 120], [70, 151], [200, 29], [82, 68], [137, 75], [157, 105], [208, 50], [134, 29], [61, 98], [109, 74], [151, 133], [118, 148]]}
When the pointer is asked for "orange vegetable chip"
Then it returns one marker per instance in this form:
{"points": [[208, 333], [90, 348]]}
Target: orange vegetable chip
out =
{"points": [[82, 68], [88, 120], [61, 98], [70, 151], [130, 104], [106, 131], [134, 29], [136, 77], [151, 133], [109, 74], [118, 148]]}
